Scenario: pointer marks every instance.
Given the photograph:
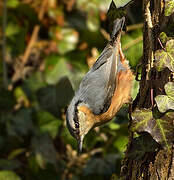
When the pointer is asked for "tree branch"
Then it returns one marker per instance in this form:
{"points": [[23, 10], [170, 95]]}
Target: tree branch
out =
{"points": [[34, 34]]}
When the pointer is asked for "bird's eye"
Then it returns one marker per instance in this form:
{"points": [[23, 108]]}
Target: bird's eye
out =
{"points": [[77, 125]]}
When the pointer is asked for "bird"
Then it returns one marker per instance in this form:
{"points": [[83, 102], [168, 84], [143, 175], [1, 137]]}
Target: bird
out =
{"points": [[103, 90]]}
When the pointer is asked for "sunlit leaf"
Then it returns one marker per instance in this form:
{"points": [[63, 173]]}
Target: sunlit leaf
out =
{"points": [[169, 7], [166, 102], [66, 39], [9, 175], [12, 29], [161, 129], [169, 89], [15, 153], [121, 143], [93, 21], [12, 3], [21, 96], [114, 126], [56, 67], [163, 37], [165, 58]]}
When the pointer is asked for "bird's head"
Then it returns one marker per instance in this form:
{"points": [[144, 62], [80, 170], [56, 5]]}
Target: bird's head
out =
{"points": [[78, 123]]}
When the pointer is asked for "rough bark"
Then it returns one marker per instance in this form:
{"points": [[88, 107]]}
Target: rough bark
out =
{"points": [[160, 163]]}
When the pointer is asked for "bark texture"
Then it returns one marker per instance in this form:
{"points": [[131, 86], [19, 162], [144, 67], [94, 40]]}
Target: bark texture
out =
{"points": [[160, 163]]}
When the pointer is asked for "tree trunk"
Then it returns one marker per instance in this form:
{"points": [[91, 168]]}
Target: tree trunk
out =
{"points": [[157, 164]]}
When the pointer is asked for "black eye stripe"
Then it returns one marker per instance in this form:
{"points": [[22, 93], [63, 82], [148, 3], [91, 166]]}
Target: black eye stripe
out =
{"points": [[76, 121]]}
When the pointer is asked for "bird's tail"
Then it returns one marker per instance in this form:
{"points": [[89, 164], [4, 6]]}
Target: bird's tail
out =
{"points": [[117, 27]]}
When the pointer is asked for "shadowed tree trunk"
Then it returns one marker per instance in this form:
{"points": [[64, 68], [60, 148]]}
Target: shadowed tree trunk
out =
{"points": [[155, 163]]}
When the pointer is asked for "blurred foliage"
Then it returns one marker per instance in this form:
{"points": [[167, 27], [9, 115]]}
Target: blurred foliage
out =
{"points": [[34, 141]]}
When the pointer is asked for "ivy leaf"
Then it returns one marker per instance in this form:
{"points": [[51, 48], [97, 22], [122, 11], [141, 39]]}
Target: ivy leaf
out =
{"points": [[56, 67], [141, 145], [161, 130], [166, 102], [48, 123], [104, 166], [165, 58], [169, 7], [54, 97], [44, 150], [163, 37]]}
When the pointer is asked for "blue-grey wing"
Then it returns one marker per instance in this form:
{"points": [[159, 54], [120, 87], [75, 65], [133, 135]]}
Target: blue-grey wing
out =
{"points": [[98, 85]]}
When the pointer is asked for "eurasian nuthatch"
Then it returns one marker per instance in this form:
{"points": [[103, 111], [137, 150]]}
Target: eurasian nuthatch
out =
{"points": [[103, 90]]}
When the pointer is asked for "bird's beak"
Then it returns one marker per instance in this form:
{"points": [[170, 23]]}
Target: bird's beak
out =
{"points": [[80, 144]]}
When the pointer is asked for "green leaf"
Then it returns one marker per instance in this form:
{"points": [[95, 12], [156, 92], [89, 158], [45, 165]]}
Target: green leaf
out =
{"points": [[166, 102], [101, 166], [48, 123], [169, 88], [93, 21], [53, 98], [9, 175], [44, 149], [12, 3], [134, 52], [135, 89], [56, 68], [66, 39], [9, 164], [141, 145], [20, 124], [21, 96], [161, 130], [12, 29], [163, 37], [121, 143], [165, 58], [169, 7], [15, 153]]}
